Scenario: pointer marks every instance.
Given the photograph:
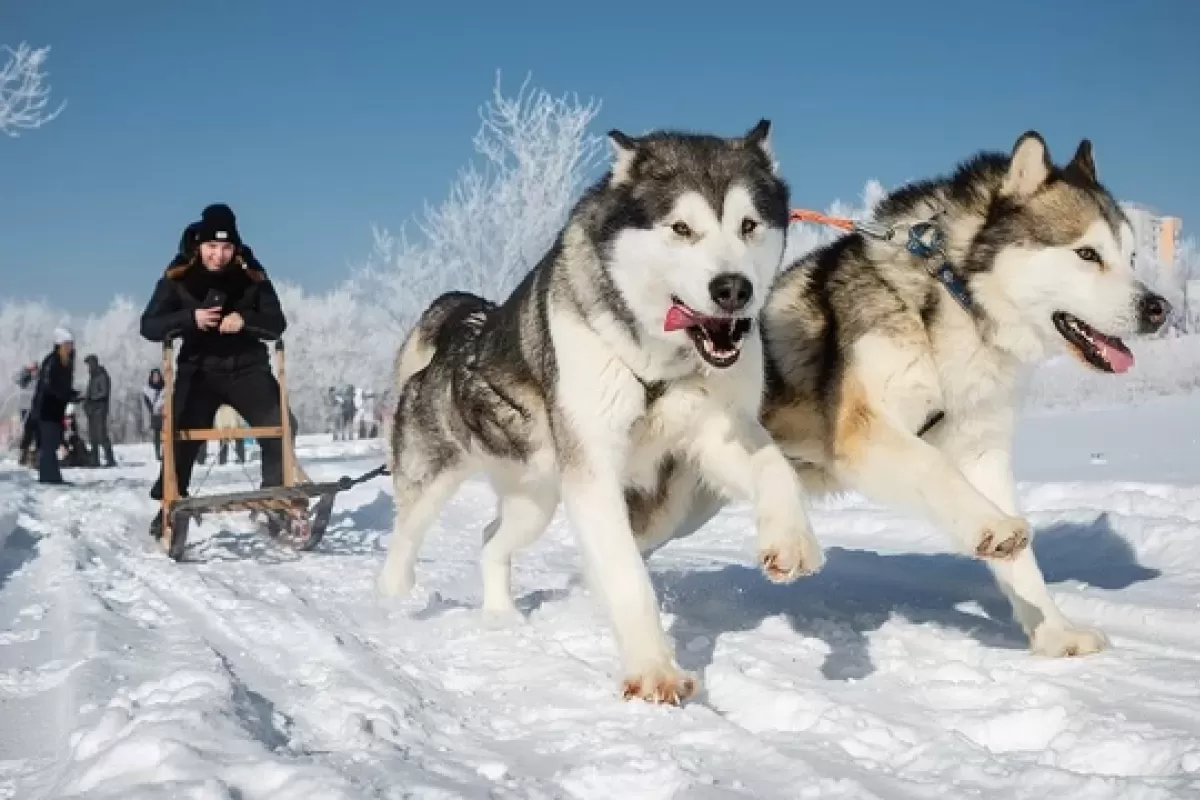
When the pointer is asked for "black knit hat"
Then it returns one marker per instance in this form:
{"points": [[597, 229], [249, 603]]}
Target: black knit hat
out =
{"points": [[218, 224]]}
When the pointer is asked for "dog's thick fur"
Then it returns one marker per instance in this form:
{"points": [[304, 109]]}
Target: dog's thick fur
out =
{"points": [[575, 388], [880, 382]]}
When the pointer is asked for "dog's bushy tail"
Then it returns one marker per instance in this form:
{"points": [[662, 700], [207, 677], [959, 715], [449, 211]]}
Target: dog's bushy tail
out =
{"points": [[433, 329]]}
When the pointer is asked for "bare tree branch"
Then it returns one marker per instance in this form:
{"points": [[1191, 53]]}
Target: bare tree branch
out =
{"points": [[24, 95]]}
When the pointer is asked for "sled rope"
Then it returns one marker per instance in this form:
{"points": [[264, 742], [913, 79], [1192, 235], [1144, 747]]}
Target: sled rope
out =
{"points": [[804, 215], [925, 241]]}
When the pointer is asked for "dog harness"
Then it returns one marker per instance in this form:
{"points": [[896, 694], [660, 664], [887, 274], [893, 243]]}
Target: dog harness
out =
{"points": [[925, 241]]}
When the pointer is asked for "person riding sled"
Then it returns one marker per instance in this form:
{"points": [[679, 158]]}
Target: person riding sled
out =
{"points": [[217, 297]]}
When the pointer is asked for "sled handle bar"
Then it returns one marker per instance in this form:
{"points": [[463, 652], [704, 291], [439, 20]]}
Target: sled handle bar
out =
{"points": [[169, 340]]}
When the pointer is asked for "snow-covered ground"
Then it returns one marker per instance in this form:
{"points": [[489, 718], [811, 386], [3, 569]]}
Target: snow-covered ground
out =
{"points": [[894, 673]]}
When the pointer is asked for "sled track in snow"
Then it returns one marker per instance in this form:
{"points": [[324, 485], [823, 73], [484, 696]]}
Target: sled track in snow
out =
{"points": [[894, 673]]}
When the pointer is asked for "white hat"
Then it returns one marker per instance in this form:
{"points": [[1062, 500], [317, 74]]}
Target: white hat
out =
{"points": [[62, 336]]}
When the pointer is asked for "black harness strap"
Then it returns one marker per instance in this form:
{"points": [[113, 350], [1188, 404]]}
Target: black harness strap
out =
{"points": [[931, 422]]}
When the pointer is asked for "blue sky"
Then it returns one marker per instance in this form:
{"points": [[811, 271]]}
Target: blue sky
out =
{"points": [[316, 119]]}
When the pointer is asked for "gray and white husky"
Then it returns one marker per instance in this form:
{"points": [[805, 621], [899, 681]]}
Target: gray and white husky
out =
{"points": [[886, 379], [628, 354]]}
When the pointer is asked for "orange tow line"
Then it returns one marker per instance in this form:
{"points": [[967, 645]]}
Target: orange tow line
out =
{"points": [[804, 215]]}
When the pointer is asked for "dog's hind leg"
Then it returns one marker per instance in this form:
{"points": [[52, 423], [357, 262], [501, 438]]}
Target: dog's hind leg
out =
{"points": [[1050, 632], [523, 514], [419, 500], [681, 507]]}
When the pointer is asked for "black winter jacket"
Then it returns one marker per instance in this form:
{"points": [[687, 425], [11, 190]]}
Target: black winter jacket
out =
{"points": [[248, 291], [56, 387]]}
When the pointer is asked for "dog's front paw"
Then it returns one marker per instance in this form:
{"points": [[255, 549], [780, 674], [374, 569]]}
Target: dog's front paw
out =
{"points": [[1060, 642], [661, 685], [785, 561], [1002, 539]]}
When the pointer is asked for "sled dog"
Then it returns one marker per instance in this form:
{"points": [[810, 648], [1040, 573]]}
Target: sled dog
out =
{"points": [[630, 352], [895, 374]]}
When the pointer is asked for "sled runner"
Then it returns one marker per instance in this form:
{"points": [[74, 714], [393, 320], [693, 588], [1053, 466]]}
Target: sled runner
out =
{"points": [[292, 518]]}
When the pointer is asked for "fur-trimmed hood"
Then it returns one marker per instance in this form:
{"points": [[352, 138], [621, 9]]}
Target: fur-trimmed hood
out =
{"points": [[244, 259]]}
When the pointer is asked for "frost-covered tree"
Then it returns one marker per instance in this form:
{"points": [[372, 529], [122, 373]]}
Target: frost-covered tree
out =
{"points": [[499, 218], [24, 93], [333, 339]]}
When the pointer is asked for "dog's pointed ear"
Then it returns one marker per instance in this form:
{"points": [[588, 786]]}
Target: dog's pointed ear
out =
{"points": [[625, 148], [1082, 162], [1029, 167], [760, 137]]}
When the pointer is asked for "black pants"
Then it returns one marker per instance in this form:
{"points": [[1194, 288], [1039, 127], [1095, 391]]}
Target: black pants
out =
{"points": [[156, 431], [51, 436], [29, 431], [97, 417], [252, 391]]}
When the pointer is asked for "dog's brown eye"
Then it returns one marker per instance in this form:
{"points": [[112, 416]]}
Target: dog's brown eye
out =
{"points": [[749, 226], [1088, 254], [681, 229]]}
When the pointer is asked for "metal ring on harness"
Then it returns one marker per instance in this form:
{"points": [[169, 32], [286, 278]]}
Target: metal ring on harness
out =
{"points": [[925, 240]]}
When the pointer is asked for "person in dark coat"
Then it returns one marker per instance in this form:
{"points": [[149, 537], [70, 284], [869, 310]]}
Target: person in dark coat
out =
{"points": [[152, 396], [27, 382], [55, 389], [95, 406], [218, 298]]}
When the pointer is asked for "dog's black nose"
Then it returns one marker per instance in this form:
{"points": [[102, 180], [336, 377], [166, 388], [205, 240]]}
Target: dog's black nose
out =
{"points": [[1153, 311], [730, 291]]}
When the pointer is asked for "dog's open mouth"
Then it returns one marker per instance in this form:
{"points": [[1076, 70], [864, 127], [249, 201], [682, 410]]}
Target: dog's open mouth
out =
{"points": [[718, 340], [1105, 353]]}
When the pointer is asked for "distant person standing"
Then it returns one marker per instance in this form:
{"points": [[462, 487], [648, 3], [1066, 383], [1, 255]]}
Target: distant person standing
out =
{"points": [[347, 421], [55, 389], [154, 400], [365, 421], [26, 381], [95, 406]]}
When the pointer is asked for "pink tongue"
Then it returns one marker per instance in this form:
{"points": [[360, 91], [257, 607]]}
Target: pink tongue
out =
{"points": [[679, 318], [1119, 360]]}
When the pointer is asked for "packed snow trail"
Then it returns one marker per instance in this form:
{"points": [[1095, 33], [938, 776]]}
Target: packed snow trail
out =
{"points": [[896, 672]]}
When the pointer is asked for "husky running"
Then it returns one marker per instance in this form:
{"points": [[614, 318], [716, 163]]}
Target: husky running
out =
{"points": [[893, 371], [631, 353]]}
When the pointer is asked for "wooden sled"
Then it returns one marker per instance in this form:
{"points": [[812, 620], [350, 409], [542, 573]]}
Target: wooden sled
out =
{"points": [[290, 519]]}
